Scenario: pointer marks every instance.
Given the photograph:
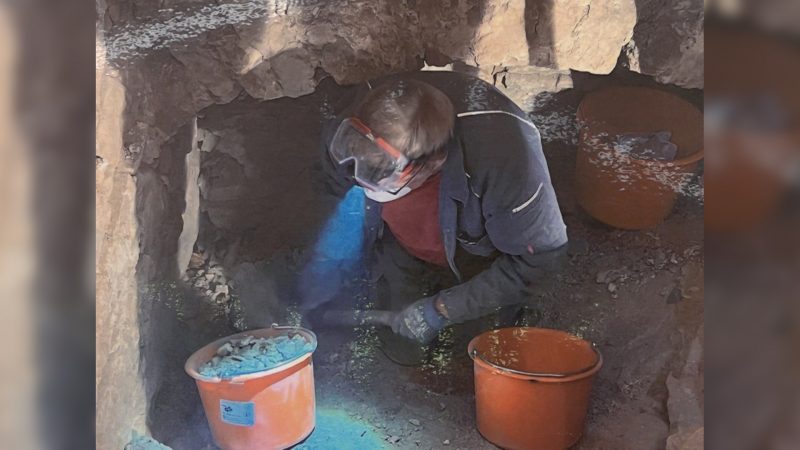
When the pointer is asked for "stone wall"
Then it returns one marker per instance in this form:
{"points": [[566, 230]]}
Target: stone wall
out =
{"points": [[159, 63], [667, 42], [121, 402]]}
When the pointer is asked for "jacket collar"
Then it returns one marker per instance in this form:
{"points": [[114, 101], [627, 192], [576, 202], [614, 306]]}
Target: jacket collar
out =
{"points": [[454, 178]]}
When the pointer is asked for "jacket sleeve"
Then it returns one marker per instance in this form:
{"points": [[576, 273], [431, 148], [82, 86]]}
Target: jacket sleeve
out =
{"points": [[533, 243], [510, 280], [522, 220]]}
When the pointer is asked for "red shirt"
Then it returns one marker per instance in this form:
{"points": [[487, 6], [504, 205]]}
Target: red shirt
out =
{"points": [[414, 221]]}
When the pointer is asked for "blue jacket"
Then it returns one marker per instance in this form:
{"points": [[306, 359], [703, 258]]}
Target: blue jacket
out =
{"points": [[495, 196]]}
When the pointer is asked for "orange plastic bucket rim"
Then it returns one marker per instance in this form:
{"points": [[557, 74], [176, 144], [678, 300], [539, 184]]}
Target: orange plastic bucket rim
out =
{"points": [[268, 409], [203, 355], [533, 389], [554, 377]]}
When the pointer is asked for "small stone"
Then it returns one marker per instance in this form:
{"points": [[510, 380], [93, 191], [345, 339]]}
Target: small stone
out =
{"points": [[442, 406], [578, 247], [602, 276], [221, 289], [225, 349], [607, 276], [691, 251], [216, 271], [414, 422], [612, 287], [675, 296], [196, 261], [209, 276], [660, 258], [446, 442]]}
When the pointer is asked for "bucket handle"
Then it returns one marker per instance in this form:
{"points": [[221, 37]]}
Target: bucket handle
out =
{"points": [[475, 354]]}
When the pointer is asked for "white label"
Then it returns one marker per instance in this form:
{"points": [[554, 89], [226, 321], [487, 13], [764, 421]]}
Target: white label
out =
{"points": [[237, 413]]}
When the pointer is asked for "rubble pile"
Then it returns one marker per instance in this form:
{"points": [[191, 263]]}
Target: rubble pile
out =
{"points": [[251, 354], [209, 279]]}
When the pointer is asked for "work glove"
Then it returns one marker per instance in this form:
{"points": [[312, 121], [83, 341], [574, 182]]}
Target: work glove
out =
{"points": [[420, 321]]}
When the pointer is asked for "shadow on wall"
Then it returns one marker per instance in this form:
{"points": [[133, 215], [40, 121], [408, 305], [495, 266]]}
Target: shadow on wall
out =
{"points": [[539, 33]]}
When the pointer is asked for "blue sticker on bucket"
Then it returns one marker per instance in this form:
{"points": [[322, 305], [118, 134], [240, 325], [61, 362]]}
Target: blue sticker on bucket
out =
{"points": [[237, 413]]}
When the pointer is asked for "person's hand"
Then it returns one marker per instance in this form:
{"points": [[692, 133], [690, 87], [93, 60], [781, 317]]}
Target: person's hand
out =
{"points": [[420, 321]]}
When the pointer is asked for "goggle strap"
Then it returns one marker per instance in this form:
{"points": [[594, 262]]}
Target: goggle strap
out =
{"points": [[382, 143]]}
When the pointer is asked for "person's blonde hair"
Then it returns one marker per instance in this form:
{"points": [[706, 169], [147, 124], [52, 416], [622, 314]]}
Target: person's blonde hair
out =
{"points": [[413, 116]]}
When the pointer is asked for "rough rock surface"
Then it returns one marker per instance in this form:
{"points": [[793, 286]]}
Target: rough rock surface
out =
{"points": [[685, 399], [668, 42], [191, 212], [179, 63], [160, 204], [120, 403], [522, 84], [583, 35]]}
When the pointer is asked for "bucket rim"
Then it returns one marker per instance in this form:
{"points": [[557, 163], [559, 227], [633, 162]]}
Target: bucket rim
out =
{"points": [[687, 160], [585, 372], [190, 367]]}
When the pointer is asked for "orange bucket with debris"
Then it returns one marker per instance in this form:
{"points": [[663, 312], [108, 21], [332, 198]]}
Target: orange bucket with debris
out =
{"points": [[532, 386], [271, 409], [626, 191]]}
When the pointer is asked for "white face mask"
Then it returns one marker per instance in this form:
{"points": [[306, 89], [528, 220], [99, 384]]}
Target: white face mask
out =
{"points": [[383, 197]]}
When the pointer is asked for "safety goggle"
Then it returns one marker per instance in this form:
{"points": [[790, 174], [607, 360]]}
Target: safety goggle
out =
{"points": [[377, 164]]}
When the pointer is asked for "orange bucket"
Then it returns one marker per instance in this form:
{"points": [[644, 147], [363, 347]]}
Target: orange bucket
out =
{"points": [[618, 189], [271, 409], [532, 386]]}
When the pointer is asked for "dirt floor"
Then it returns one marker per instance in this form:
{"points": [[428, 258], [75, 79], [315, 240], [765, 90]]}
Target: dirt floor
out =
{"points": [[637, 294]]}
